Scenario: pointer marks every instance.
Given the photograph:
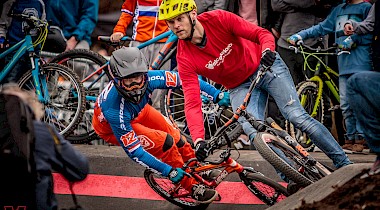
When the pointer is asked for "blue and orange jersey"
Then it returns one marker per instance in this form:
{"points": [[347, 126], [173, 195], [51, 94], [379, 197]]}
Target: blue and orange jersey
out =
{"points": [[144, 15], [120, 113]]}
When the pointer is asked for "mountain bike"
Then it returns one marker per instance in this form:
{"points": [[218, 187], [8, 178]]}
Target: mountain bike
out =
{"points": [[56, 87], [267, 190], [319, 102], [277, 147]]}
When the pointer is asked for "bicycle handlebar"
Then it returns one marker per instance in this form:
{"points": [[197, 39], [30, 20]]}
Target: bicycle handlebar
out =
{"points": [[318, 49], [31, 20], [108, 39]]}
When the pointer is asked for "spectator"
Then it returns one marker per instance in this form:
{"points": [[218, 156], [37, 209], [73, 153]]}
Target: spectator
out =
{"points": [[233, 62], [362, 88], [12, 31], [123, 116], [364, 99], [76, 18], [208, 5], [358, 61], [370, 24], [143, 15], [52, 152]]}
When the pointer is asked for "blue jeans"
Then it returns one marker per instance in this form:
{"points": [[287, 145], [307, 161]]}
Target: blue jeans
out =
{"points": [[280, 86], [354, 130], [364, 98]]}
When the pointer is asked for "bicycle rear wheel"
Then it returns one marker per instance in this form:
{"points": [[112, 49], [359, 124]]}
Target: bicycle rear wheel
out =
{"points": [[166, 189], [173, 106], [66, 105], [286, 160], [88, 62], [264, 188]]}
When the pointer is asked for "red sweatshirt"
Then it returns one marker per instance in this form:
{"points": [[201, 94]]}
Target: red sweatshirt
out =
{"points": [[232, 53]]}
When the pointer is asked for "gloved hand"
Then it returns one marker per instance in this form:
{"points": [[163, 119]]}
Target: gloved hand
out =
{"points": [[295, 39], [347, 43], [205, 99], [176, 175], [223, 99], [201, 150], [267, 58], [2, 40]]}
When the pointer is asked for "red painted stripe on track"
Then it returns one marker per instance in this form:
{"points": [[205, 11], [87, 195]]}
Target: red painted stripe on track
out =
{"points": [[137, 188]]}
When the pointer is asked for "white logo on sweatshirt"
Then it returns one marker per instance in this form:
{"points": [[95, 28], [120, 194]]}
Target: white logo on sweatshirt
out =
{"points": [[220, 59]]}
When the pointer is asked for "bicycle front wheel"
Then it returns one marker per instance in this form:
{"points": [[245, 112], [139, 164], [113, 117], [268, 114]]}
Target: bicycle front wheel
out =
{"points": [[66, 97], [264, 188], [170, 192], [285, 159]]}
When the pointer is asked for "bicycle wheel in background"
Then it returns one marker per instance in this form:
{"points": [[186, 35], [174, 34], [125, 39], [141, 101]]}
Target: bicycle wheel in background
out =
{"points": [[175, 195], [264, 188], [87, 62], [172, 106], [286, 160], [66, 103], [308, 93]]}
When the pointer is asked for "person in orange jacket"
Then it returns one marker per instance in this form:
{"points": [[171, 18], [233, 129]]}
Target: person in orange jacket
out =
{"points": [[143, 14]]}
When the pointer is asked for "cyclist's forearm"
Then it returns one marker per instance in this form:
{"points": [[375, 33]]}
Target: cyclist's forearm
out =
{"points": [[147, 160], [209, 89], [367, 25]]}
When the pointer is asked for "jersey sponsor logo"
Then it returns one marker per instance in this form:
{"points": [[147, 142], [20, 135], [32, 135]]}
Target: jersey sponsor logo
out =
{"points": [[171, 79], [146, 142], [219, 60], [145, 165], [121, 114], [156, 77], [129, 139]]}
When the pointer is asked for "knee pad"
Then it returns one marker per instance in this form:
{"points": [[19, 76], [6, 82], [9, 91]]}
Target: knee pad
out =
{"points": [[181, 142], [168, 143]]}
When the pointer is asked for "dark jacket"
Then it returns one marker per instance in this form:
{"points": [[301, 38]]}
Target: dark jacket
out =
{"points": [[62, 158], [75, 17]]}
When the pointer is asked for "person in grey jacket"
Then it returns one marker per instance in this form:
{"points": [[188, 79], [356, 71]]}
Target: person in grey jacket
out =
{"points": [[208, 5]]}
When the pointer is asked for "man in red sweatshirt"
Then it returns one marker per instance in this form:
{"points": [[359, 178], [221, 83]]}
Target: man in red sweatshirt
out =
{"points": [[229, 50]]}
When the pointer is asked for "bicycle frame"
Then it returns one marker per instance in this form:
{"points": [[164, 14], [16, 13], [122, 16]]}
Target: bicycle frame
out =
{"points": [[26, 45], [316, 78]]}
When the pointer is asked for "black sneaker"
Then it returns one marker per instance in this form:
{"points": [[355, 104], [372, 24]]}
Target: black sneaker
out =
{"points": [[210, 175], [203, 194]]}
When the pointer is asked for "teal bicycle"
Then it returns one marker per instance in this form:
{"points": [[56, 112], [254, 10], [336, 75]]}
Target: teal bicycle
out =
{"points": [[56, 86]]}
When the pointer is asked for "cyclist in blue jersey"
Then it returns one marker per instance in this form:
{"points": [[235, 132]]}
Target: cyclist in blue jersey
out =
{"points": [[123, 116]]}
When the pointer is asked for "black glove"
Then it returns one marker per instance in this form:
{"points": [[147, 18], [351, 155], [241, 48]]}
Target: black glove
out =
{"points": [[267, 58], [201, 150]]}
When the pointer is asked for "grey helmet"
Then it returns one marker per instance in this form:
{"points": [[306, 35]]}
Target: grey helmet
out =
{"points": [[128, 62]]}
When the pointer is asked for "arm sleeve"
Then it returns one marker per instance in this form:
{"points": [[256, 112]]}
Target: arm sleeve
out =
{"points": [[209, 89], [323, 28], [289, 6], [73, 165], [4, 19], [131, 145], [367, 25], [193, 103], [220, 4], [88, 19], [242, 28], [127, 13]]}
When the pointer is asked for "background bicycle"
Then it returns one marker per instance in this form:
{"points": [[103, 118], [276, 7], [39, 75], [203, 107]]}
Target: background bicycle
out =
{"points": [[57, 88], [319, 95]]}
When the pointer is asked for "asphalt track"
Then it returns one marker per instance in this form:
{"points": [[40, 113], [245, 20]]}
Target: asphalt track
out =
{"points": [[116, 182]]}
